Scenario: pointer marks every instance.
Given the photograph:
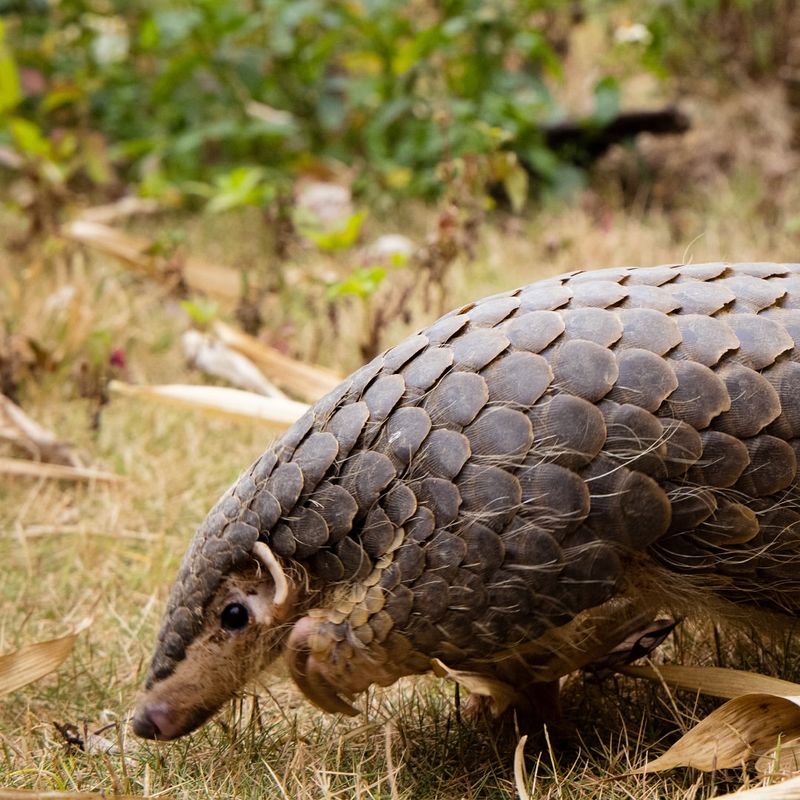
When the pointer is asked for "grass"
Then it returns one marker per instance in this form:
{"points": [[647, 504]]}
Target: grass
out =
{"points": [[70, 551]]}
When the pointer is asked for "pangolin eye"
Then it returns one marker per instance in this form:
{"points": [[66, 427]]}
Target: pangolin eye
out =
{"points": [[234, 617]]}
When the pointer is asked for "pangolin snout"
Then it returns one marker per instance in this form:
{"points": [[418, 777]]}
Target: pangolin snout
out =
{"points": [[156, 719], [153, 721]]}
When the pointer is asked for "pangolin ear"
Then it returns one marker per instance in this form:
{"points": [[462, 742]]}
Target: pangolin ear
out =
{"points": [[267, 558]]}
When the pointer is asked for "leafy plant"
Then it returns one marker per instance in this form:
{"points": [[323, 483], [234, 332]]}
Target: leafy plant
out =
{"points": [[339, 237], [226, 98]]}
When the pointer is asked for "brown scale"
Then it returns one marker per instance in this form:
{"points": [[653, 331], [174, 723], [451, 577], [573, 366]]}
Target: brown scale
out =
{"points": [[685, 273], [533, 554], [518, 379], [245, 490], [722, 463], [362, 378], [456, 399], [631, 507], [377, 533], [493, 311], [790, 283], [365, 475], [399, 503], [534, 331], [466, 591], [409, 559], [754, 402], [500, 434], [761, 340], [266, 506], [309, 530], [752, 293], [584, 369], [544, 298], [593, 324], [785, 379], [426, 368], [430, 596], [704, 339], [690, 506], [337, 507], [567, 430], [446, 328], [442, 455], [596, 294], [591, 571], [554, 498], [651, 276], [731, 523], [611, 274], [443, 553], [355, 561], [289, 441], [644, 379], [398, 356], [315, 456], [484, 551], [651, 297], [441, 496], [476, 348], [684, 446], [490, 493], [381, 398], [763, 269], [635, 438], [346, 425], [403, 434], [286, 484], [789, 320], [699, 397], [702, 298], [421, 525], [772, 467], [263, 467], [329, 404], [647, 329]]}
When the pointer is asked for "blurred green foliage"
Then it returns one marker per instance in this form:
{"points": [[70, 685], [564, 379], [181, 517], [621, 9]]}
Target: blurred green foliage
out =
{"points": [[224, 99]]}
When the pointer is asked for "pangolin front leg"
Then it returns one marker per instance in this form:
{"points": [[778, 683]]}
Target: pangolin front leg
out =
{"points": [[331, 666]]}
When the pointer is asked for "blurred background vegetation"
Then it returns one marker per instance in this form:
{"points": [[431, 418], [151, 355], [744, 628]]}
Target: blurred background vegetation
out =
{"points": [[225, 103], [328, 118], [325, 175]]}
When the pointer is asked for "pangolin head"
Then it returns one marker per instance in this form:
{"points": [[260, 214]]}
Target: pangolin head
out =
{"points": [[225, 617]]}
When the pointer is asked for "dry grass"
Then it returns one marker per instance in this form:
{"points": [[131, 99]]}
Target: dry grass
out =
{"points": [[69, 551]]}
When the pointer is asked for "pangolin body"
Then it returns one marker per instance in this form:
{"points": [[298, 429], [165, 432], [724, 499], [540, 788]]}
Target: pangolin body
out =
{"points": [[510, 491]]}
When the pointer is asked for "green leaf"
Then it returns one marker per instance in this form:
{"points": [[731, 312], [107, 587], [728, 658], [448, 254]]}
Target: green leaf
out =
{"points": [[606, 100], [340, 238], [10, 91], [243, 186], [363, 283], [515, 183], [201, 311], [98, 347], [62, 96], [29, 138]]}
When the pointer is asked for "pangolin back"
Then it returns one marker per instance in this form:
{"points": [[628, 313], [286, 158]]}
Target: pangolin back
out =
{"points": [[496, 474]]}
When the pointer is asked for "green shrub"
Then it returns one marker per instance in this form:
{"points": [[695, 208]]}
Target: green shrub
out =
{"points": [[181, 92]]}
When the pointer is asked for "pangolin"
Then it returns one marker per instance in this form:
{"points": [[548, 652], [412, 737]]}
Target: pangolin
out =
{"points": [[510, 492]]}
